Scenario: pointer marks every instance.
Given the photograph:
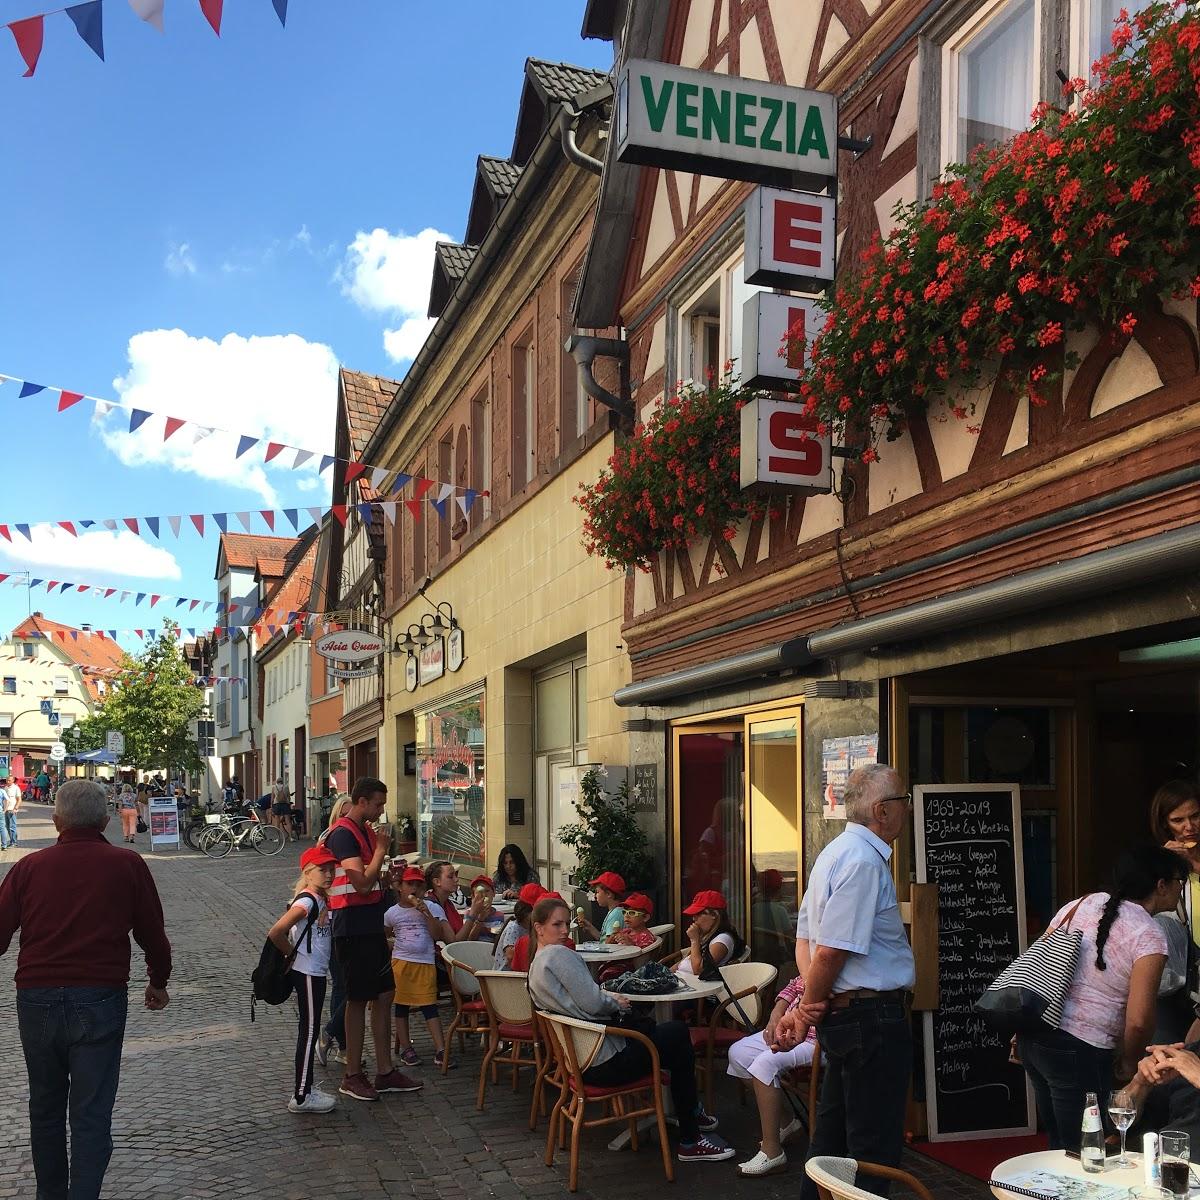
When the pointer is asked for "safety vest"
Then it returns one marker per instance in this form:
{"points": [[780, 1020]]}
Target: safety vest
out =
{"points": [[343, 893]]}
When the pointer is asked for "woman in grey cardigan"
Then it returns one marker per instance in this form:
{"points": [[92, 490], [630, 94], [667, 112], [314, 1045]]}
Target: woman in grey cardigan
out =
{"points": [[559, 982]]}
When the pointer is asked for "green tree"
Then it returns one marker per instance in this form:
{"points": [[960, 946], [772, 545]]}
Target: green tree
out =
{"points": [[153, 701], [607, 836]]}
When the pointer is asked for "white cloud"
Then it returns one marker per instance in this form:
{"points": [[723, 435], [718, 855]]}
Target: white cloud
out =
{"points": [[390, 273], [121, 553], [179, 260], [280, 388]]}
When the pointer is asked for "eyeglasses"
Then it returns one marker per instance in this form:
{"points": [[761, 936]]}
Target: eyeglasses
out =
{"points": [[907, 798]]}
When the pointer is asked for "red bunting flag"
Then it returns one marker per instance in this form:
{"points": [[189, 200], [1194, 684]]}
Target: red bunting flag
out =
{"points": [[353, 471], [5, 534], [273, 448], [414, 507], [212, 12], [66, 399], [198, 521], [131, 523], [28, 35], [193, 604], [268, 515], [172, 426], [339, 511], [69, 527], [108, 592], [420, 487], [82, 587], [154, 600]]}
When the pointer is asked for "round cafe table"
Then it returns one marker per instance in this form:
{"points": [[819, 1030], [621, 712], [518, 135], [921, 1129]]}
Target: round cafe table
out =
{"points": [[613, 953], [1058, 1162]]}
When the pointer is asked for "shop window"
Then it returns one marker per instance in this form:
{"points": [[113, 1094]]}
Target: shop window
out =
{"points": [[989, 77], [481, 456], [524, 413], [445, 475], [450, 781], [574, 405]]}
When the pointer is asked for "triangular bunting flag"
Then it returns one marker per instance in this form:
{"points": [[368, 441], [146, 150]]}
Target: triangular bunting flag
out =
{"points": [[112, 633], [378, 475], [338, 510], [389, 510], [53, 583], [89, 24], [445, 491], [364, 511], [206, 606], [108, 592], [212, 13], [440, 505], [414, 507], [174, 523], [141, 633], [131, 524], [36, 582], [173, 425], [5, 534], [302, 456], [222, 520], [354, 470], [154, 600], [151, 11], [87, 524], [140, 597], [66, 399], [293, 516], [268, 516], [180, 601], [192, 605], [109, 523], [68, 527], [326, 459], [153, 523], [463, 503], [244, 518], [23, 530], [27, 388], [317, 514], [28, 34], [124, 597], [244, 444], [104, 407], [200, 433], [281, 11], [197, 519], [400, 483], [74, 635], [137, 418], [420, 487], [273, 448]]}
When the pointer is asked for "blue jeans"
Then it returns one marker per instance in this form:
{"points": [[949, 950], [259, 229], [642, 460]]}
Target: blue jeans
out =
{"points": [[864, 1089], [1062, 1070], [72, 1041], [10, 826]]}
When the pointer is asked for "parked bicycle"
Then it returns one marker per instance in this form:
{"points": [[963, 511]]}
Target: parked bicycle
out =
{"points": [[228, 833]]}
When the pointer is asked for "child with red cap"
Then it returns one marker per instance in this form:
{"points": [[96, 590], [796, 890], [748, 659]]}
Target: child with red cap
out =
{"points": [[712, 939], [638, 911], [416, 924], [609, 888], [517, 926], [302, 935]]}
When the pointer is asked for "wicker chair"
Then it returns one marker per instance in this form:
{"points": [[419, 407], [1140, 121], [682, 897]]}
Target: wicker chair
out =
{"points": [[574, 1043], [505, 994], [463, 960], [835, 1178], [743, 1011]]}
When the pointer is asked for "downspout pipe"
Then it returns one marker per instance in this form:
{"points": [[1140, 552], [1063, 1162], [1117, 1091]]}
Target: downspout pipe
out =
{"points": [[585, 349], [568, 121]]}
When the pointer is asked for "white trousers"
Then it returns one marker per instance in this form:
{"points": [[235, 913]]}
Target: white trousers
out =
{"points": [[750, 1059]]}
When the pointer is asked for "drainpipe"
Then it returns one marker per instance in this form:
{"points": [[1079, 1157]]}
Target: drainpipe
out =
{"points": [[568, 121], [585, 349]]}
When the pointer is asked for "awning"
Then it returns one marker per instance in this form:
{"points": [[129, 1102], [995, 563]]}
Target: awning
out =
{"points": [[94, 756]]}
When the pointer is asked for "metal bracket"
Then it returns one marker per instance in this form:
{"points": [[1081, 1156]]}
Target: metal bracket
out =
{"points": [[858, 146], [845, 451]]}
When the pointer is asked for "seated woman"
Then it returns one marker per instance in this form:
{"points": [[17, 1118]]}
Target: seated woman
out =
{"points": [[513, 872], [757, 1059], [712, 939], [559, 982]]}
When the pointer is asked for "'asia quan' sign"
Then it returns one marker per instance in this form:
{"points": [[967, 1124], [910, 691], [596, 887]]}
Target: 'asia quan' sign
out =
{"points": [[669, 116]]}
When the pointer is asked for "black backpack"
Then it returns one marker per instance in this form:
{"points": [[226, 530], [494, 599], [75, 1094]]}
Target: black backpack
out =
{"points": [[271, 980]]}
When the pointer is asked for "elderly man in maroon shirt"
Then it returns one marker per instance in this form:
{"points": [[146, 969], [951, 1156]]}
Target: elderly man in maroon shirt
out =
{"points": [[76, 904]]}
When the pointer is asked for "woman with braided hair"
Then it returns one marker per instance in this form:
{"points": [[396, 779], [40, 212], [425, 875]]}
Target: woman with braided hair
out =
{"points": [[1109, 1010]]}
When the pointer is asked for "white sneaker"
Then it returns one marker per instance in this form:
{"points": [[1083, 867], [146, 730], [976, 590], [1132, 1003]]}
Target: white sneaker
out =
{"points": [[336, 1055], [321, 1052], [314, 1102], [760, 1164], [789, 1131]]}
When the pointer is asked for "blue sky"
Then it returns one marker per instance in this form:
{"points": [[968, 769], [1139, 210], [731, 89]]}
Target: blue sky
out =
{"points": [[206, 228]]}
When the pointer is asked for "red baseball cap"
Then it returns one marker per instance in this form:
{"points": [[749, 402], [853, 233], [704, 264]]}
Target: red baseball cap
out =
{"points": [[531, 893], [412, 875], [483, 881], [639, 902], [610, 880], [703, 900], [317, 856]]}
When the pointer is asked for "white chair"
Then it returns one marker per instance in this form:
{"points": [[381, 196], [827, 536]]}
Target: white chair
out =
{"points": [[836, 1178], [463, 960], [743, 1010]]}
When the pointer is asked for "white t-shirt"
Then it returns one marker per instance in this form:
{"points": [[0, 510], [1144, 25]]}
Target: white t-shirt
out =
{"points": [[722, 939], [509, 936], [414, 943], [316, 963], [12, 796]]}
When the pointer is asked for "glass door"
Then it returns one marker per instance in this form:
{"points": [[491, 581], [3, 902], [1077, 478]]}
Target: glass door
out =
{"points": [[556, 789]]}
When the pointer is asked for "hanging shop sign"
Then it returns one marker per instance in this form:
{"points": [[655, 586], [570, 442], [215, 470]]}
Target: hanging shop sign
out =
{"points": [[412, 673], [723, 125], [781, 447], [791, 239], [767, 318], [433, 660], [454, 649], [349, 645], [58, 751]]}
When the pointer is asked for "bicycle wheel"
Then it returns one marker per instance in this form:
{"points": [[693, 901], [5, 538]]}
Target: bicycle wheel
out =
{"points": [[191, 834], [267, 839], [216, 841]]}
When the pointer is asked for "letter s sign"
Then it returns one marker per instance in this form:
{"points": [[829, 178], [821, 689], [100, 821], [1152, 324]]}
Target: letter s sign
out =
{"points": [[781, 448]]}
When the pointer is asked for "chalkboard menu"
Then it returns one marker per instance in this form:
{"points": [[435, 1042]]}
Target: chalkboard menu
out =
{"points": [[968, 842]]}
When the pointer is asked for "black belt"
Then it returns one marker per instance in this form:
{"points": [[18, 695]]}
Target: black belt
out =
{"points": [[868, 996]]}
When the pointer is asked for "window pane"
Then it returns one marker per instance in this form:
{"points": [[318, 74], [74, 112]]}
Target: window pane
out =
{"points": [[552, 712], [581, 723], [995, 79], [450, 781], [739, 292]]}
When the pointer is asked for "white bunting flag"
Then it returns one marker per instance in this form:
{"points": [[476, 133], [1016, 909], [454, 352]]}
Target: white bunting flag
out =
{"points": [[317, 514], [378, 475], [244, 517], [464, 504], [151, 11], [389, 510], [302, 456], [109, 523], [103, 408], [174, 523], [201, 432]]}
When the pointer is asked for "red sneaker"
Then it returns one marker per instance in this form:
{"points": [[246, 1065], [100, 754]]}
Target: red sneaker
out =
{"points": [[357, 1088], [395, 1081]]}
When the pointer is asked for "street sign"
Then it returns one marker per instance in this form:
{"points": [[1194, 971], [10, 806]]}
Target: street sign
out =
{"points": [[791, 239], [723, 125], [53, 718], [47, 707], [115, 742], [780, 446], [58, 751]]}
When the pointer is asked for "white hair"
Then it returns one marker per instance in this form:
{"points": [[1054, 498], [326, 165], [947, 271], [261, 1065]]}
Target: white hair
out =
{"points": [[864, 788], [81, 804]]}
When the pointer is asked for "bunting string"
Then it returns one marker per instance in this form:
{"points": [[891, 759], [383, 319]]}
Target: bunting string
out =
{"points": [[88, 20], [381, 479]]}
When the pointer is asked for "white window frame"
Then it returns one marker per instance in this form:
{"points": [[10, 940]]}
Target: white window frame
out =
{"points": [[6, 724], [1080, 34], [952, 47], [62, 685]]}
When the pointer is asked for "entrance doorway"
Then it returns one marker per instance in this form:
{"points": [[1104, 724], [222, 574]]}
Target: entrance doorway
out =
{"points": [[559, 750], [739, 830]]}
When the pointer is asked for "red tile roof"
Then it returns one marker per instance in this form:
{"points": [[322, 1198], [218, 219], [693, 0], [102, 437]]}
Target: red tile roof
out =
{"points": [[97, 657], [244, 550], [367, 399]]}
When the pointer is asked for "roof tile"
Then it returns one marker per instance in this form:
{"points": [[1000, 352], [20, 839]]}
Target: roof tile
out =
{"points": [[367, 399], [244, 550], [562, 81]]}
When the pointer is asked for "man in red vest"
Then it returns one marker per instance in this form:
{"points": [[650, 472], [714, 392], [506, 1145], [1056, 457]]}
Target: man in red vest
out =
{"points": [[359, 899]]}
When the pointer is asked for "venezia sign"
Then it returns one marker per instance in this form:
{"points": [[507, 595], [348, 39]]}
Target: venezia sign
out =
{"points": [[723, 125], [349, 645]]}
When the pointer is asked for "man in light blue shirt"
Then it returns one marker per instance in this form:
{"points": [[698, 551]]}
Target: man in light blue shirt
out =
{"points": [[858, 968]]}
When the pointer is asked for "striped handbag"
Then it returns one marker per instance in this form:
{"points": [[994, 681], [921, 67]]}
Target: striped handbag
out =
{"points": [[1027, 996]]}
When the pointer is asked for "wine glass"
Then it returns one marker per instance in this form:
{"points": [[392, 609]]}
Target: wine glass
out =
{"points": [[1122, 1110]]}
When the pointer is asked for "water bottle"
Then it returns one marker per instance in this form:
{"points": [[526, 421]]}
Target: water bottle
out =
{"points": [[1091, 1145]]}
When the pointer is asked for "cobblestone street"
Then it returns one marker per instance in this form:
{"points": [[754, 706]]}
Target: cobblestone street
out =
{"points": [[202, 1108]]}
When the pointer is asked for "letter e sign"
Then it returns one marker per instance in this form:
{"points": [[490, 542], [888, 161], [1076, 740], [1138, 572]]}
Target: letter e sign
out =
{"points": [[791, 239]]}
